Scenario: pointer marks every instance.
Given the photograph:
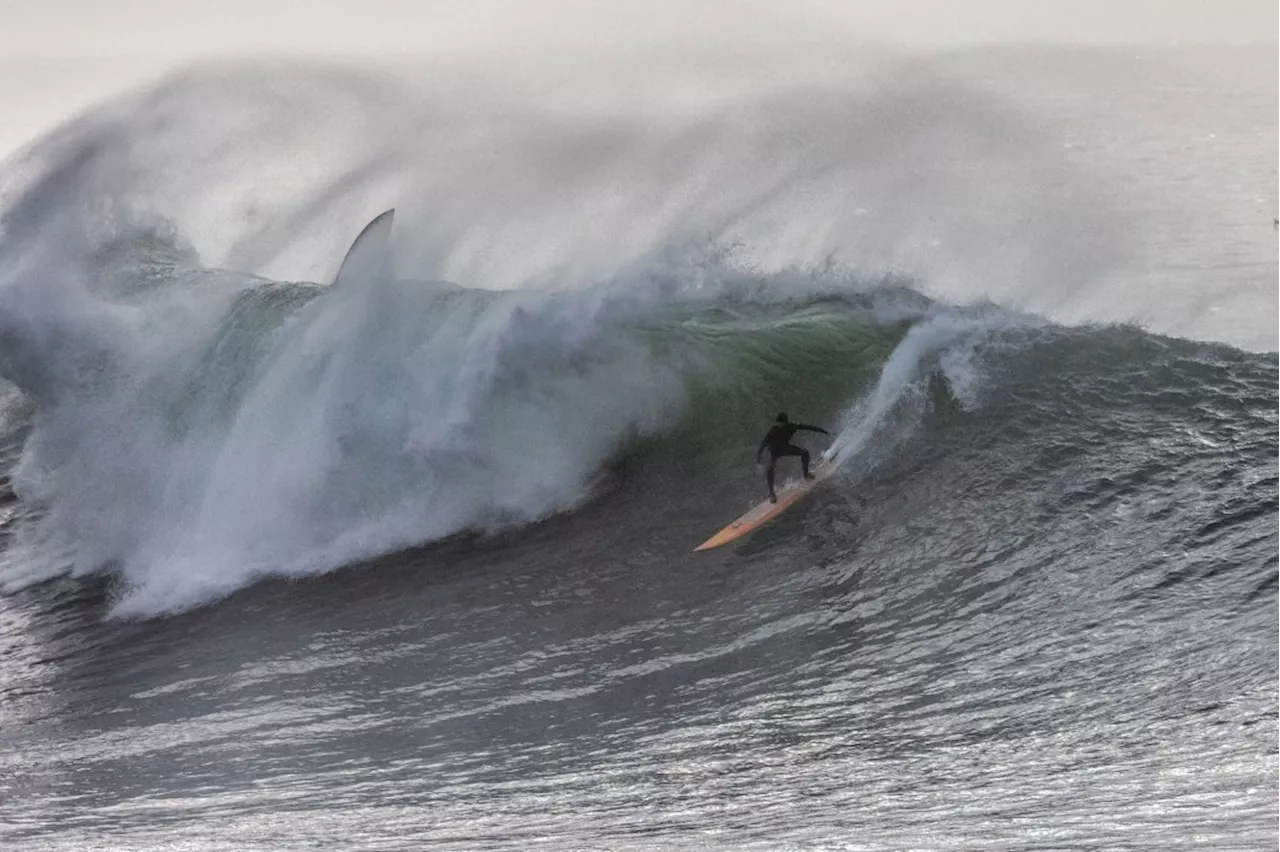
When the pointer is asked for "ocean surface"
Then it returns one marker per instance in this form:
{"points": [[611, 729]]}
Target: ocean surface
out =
{"points": [[403, 560]]}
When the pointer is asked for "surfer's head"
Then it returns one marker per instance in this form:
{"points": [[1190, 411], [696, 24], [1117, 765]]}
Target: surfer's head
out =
{"points": [[782, 417]]}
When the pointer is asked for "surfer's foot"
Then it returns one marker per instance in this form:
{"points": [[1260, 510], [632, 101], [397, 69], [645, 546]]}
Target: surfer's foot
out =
{"points": [[773, 498], [808, 476]]}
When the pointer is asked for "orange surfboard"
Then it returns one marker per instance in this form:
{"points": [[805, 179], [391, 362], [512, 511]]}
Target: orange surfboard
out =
{"points": [[766, 511]]}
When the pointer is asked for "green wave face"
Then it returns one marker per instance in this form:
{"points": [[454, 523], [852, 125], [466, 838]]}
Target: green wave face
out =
{"points": [[260, 428]]}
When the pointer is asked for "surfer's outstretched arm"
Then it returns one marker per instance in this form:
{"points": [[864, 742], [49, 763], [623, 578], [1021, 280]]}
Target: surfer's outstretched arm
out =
{"points": [[809, 428]]}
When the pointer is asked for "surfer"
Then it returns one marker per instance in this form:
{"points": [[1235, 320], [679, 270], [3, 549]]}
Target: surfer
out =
{"points": [[778, 443]]}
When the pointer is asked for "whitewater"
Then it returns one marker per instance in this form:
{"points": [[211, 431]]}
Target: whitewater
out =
{"points": [[396, 552]]}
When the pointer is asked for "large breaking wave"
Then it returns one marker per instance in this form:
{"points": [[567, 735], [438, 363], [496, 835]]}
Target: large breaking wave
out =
{"points": [[223, 428], [187, 428]]}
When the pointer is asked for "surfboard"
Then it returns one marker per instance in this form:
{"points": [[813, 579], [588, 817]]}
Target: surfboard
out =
{"points": [[766, 511]]}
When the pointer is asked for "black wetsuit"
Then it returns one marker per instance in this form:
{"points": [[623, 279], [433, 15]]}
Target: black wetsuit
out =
{"points": [[778, 443]]}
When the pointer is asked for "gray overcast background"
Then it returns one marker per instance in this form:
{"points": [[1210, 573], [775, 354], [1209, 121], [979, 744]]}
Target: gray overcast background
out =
{"points": [[165, 28], [59, 56]]}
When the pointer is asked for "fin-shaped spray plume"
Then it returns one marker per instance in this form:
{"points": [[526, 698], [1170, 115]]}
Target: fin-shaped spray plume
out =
{"points": [[365, 258]]}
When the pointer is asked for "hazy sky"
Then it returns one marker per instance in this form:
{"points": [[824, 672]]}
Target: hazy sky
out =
{"points": [[59, 56], [168, 28]]}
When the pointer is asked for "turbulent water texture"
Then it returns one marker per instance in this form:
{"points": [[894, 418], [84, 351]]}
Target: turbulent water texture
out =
{"points": [[405, 560]]}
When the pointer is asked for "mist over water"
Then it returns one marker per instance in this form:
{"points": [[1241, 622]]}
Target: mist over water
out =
{"points": [[884, 165]]}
